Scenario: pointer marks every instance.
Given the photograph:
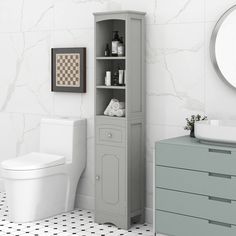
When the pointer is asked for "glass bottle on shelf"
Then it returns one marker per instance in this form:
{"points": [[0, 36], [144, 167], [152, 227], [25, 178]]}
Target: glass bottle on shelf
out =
{"points": [[114, 44], [107, 51]]}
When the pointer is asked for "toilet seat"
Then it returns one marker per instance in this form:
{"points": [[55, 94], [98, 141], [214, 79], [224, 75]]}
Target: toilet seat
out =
{"points": [[33, 161]]}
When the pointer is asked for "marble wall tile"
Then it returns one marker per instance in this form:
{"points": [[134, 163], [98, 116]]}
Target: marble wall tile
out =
{"points": [[29, 89], [19, 134], [37, 15], [76, 38], [175, 72], [80, 13], [11, 12], [26, 128], [142, 6], [8, 137], [156, 133], [215, 8], [180, 11]]}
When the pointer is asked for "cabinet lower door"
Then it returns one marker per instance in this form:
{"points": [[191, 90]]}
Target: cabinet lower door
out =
{"points": [[111, 179]]}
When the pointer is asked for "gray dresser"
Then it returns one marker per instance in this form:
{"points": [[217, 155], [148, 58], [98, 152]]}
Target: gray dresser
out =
{"points": [[120, 141], [195, 192]]}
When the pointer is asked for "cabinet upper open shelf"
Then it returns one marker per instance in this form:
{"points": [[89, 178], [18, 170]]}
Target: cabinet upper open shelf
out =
{"points": [[104, 35]]}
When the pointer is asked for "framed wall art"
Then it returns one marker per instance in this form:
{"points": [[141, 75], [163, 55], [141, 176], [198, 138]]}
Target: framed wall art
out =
{"points": [[68, 70]]}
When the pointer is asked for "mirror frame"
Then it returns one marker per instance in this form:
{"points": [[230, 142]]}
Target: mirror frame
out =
{"points": [[213, 43]]}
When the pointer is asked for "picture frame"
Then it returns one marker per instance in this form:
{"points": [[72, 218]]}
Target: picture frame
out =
{"points": [[68, 70]]}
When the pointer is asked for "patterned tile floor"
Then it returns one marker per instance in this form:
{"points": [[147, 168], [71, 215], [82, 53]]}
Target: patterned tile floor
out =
{"points": [[78, 222]]}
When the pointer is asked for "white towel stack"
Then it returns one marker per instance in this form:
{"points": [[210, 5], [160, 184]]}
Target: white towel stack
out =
{"points": [[115, 108]]}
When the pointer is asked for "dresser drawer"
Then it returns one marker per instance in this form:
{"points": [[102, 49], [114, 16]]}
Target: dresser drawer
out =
{"points": [[204, 183], [214, 159], [207, 207], [110, 132], [179, 225]]}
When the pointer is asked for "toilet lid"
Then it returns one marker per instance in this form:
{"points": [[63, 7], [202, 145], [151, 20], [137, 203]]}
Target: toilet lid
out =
{"points": [[33, 161]]}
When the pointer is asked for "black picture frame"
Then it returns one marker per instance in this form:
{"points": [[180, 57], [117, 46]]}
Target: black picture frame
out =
{"points": [[75, 76]]}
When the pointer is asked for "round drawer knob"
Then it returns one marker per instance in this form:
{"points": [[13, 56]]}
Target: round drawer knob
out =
{"points": [[97, 177], [109, 135]]}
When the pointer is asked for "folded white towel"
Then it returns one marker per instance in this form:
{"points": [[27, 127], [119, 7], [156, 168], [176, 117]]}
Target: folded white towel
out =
{"points": [[117, 105], [106, 112]]}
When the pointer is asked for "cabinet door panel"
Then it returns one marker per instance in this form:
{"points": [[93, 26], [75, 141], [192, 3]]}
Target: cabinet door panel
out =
{"points": [[110, 179]]}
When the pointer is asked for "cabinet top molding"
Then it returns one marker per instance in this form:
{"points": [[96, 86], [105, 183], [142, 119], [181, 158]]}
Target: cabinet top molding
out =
{"points": [[119, 12]]}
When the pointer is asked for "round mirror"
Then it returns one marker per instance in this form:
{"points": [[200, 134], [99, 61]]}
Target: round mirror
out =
{"points": [[223, 46]]}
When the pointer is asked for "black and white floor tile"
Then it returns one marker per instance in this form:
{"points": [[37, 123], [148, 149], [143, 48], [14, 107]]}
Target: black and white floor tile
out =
{"points": [[78, 222]]}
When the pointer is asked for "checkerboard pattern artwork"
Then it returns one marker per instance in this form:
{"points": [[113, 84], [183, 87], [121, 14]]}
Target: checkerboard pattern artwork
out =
{"points": [[78, 222], [68, 70]]}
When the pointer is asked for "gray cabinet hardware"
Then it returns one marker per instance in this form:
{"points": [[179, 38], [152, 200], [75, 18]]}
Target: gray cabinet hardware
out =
{"points": [[219, 199], [219, 223], [219, 175], [219, 151]]}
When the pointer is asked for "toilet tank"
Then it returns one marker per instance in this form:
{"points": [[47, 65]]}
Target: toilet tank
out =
{"points": [[62, 136]]}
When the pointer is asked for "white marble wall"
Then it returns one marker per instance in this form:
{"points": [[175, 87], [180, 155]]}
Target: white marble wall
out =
{"points": [[180, 77]]}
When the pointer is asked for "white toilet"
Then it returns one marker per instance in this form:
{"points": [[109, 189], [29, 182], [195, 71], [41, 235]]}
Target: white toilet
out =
{"points": [[42, 184]]}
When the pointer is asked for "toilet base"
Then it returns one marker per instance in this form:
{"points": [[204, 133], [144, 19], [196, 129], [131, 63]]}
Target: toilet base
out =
{"points": [[35, 199]]}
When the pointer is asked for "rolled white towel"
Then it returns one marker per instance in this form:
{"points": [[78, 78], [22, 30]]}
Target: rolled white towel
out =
{"points": [[106, 112], [120, 112], [111, 112], [118, 105]]}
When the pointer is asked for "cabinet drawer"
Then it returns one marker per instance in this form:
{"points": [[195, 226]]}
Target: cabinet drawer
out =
{"points": [[179, 225], [207, 207], [215, 159], [110, 132], [196, 182]]}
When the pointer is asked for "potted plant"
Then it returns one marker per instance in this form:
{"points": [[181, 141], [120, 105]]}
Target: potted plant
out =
{"points": [[191, 121]]}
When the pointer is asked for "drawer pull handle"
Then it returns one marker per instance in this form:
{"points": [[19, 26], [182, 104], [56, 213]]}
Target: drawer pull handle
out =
{"points": [[219, 223], [219, 175], [109, 135], [219, 199], [97, 177], [219, 151]]}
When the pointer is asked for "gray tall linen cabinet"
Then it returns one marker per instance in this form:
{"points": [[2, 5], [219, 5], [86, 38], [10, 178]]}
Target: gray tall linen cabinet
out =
{"points": [[120, 141]]}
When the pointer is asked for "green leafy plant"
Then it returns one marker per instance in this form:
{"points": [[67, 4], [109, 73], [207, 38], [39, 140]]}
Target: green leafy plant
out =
{"points": [[191, 121]]}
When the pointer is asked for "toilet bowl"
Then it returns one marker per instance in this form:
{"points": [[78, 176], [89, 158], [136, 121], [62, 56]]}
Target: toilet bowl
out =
{"points": [[42, 184]]}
